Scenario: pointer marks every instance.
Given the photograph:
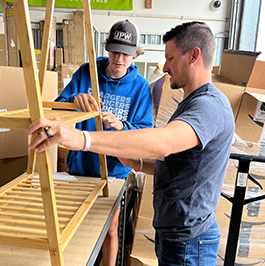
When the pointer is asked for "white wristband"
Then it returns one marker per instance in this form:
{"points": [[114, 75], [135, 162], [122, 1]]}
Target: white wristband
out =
{"points": [[88, 140]]}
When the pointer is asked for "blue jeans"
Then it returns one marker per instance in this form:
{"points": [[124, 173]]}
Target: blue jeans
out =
{"points": [[198, 251]]}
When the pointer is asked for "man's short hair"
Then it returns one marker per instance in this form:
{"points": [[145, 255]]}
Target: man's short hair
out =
{"points": [[193, 34]]}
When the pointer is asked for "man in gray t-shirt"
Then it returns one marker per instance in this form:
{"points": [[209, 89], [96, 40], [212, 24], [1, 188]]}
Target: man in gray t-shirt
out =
{"points": [[187, 185], [188, 156]]}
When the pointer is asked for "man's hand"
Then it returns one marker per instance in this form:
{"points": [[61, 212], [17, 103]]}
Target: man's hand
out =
{"points": [[86, 102], [59, 133], [110, 120]]}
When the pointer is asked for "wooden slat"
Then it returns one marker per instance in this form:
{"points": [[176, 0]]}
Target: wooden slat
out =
{"points": [[81, 196], [40, 200], [45, 46], [60, 105], [29, 230], [72, 226], [28, 59], [60, 186], [34, 210], [24, 241], [13, 183], [38, 205], [31, 160], [36, 191], [21, 119], [30, 216], [22, 222]]}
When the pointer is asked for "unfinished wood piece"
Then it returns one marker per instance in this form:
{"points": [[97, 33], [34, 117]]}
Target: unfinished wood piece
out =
{"points": [[58, 206], [21, 119], [94, 83], [22, 218]]}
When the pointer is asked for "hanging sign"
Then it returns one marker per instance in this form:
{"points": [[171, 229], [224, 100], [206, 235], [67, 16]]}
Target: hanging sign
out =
{"points": [[95, 4]]}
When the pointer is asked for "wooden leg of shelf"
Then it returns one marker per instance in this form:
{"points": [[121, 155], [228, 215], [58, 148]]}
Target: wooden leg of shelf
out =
{"points": [[95, 86], [31, 160], [104, 174], [50, 208]]}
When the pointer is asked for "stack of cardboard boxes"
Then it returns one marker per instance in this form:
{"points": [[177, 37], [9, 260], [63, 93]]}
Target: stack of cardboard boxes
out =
{"points": [[242, 80], [14, 143], [74, 51], [9, 47], [64, 60]]}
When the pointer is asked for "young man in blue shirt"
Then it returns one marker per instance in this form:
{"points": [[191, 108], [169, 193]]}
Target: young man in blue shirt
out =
{"points": [[126, 104]]}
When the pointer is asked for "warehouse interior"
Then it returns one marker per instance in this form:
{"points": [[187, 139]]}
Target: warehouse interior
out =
{"points": [[238, 72]]}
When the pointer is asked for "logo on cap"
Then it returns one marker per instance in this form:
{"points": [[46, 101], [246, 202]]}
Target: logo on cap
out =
{"points": [[123, 36]]}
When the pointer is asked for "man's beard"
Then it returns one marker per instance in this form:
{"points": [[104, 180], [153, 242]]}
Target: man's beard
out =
{"points": [[175, 86]]}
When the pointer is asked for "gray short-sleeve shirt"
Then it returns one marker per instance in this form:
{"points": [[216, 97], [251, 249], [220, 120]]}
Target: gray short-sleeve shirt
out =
{"points": [[187, 185]]}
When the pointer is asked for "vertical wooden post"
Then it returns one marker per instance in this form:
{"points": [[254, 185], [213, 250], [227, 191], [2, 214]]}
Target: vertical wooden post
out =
{"points": [[34, 95], [94, 84]]}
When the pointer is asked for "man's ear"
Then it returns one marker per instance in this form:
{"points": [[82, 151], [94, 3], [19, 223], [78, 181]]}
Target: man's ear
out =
{"points": [[195, 54]]}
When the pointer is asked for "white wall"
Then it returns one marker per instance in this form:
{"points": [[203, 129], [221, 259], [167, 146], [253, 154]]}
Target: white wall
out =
{"points": [[164, 15]]}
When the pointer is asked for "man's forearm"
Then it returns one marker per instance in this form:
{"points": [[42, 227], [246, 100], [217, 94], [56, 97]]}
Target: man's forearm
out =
{"points": [[133, 144]]}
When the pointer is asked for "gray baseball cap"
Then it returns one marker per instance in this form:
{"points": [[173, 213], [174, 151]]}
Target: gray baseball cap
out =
{"points": [[123, 38]]}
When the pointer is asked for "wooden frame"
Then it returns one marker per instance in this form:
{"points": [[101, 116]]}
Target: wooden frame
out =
{"points": [[40, 212]]}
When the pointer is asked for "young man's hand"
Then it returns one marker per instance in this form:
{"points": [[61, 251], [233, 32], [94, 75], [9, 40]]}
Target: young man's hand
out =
{"points": [[86, 102], [110, 120]]}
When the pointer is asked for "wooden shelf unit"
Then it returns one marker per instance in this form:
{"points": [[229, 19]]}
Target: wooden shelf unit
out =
{"points": [[40, 212]]}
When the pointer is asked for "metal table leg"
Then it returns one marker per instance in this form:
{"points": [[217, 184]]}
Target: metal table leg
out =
{"points": [[238, 201], [120, 256]]}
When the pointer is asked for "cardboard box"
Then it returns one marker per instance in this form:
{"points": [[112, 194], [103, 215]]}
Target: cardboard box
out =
{"points": [[50, 64], [165, 100], [248, 124], [143, 248], [233, 92], [69, 41], [38, 56], [12, 38], [233, 76], [65, 73], [61, 162], [80, 37], [247, 73], [216, 70], [252, 105], [58, 51], [11, 168], [3, 35], [14, 143]]}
